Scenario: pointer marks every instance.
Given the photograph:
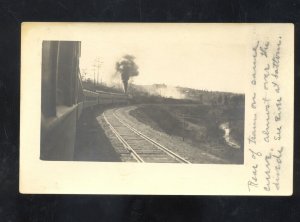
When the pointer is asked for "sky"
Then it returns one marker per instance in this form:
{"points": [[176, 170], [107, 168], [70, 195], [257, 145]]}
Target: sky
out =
{"points": [[200, 57]]}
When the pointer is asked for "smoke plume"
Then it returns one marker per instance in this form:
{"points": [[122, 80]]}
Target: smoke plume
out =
{"points": [[127, 68], [165, 91]]}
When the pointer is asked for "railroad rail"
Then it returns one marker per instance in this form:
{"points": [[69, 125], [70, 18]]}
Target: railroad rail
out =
{"points": [[141, 147]]}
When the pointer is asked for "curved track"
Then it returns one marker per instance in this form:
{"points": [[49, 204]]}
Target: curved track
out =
{"points": [[141, 147]]}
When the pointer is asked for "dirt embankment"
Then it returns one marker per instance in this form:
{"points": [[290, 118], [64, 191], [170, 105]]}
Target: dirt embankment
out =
{"points": [[200, 126], [173, 143]]}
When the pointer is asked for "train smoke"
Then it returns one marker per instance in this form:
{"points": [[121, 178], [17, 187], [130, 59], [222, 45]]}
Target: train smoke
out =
{"points": [[127, 68]]}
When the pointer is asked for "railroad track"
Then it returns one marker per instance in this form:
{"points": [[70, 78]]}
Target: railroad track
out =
{"points": [[141, 147]]}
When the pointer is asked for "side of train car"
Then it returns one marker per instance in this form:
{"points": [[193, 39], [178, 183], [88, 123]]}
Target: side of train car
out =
{"points": [[63, 99], [101, 97]]}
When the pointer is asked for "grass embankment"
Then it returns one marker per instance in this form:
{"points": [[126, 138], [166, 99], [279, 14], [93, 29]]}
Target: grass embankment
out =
{"points": [[200, 126]]}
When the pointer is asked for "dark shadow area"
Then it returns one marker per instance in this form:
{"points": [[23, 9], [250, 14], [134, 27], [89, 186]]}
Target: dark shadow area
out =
{"points": [[91, 142]]}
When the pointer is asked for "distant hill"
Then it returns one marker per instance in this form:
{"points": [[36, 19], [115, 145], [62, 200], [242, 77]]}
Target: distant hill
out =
{"points": [[185, 93], [175, 94]]}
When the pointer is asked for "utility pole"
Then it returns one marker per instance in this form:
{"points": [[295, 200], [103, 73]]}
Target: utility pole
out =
{"points": [[97, 66]]}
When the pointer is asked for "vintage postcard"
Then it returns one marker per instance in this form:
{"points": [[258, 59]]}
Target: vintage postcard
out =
{"points": [[144, 108]]}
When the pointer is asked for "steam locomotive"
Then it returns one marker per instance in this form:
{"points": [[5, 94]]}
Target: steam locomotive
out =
{"points": [[63, 99]]}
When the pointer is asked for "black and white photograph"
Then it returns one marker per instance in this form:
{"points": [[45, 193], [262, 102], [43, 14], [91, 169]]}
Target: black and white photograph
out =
{"points": [[134, 96], [132, 108], [149, 111]]}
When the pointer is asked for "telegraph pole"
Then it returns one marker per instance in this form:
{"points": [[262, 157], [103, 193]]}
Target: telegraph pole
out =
{"points": [[97, 66]]}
